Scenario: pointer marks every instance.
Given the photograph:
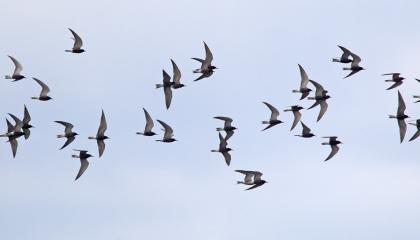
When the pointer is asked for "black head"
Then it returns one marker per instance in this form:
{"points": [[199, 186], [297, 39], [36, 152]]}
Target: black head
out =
{"points": [[75, 134], [106, 137], [29, 126], [88, 155], [234, 128], [311, 135], [405, 116], [338, 142], [418, 122], [181, 85], [212, 67], [263, 182], [228, 149]]}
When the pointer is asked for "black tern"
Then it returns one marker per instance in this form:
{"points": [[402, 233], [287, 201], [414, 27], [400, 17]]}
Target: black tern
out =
{"points": [[84, 164], [176, 78], [396, 79], [345, 57], [401, 117], [320, 99], [78, 43], [13, 141], [303, 84], [167, 84], [354, 67], [297, 115], [333, 142], [16, 76], [417, 134], [43, 96], [223, 149], [206, 68], [149, 125], [26, 126], [273, 118], [68, 133], [16, 131], [169, 133], [251, 178], [228, 128], [306, 132], [100, 135]]}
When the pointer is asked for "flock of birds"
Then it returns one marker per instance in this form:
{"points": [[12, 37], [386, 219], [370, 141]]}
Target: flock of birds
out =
{"points": [[252, 178]]}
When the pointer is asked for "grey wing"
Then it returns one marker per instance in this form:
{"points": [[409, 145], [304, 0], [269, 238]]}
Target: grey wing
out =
{"points": [[168, 130], [198, 59], [78, 43], [322, 110], [297, 116], [149, 121], [351, 73], [102, 126], [9, 126], [305, 129], [45, 89], [248, 175], [26, 116], [228, 120], [18, 66], [14, 146], [257, 176], [356, 60], [176, 73], [401, 104], [168, 96], [334, 150], [403, 129], [346, 52], [304, 77], [166, 77], [68, 126], [316, 103], [228, 135], [416, 135], [18, 123], [319, 88], [69, 140], [84, 164], [227, 157], [27, 132], [395, 85], [101, 147], [222, 142], [204, 75], [254, 186], [274, 112], [209, 57]]}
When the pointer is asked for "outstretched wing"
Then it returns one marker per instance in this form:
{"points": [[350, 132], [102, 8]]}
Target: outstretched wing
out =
{"points": [[78, 43]]}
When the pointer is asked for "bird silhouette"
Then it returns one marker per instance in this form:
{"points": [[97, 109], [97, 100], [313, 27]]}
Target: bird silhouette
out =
{"points": [[223, 149], [354, 67], [78, 43], [252, 178], [344, 57], [228, 128], [303, 89], [169, 133], [84, 164], [149, 125], [333, 142], [297, 115], [68, 133], [401, 117], [273, 118], [16, 76], [100, 135], [320, 98], [206, 68], [396, 79], [43, 96], [306, 132]]}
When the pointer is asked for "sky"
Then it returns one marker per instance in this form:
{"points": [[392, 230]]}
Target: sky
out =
{"points": [[143, 189]]}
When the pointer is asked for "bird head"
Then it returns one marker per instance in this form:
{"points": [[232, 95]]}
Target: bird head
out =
{"points": [[88, 155], [229, 149], [339, 142], [29, 126], [75, 134], [212, 67], [106, 137], [48, 97]]}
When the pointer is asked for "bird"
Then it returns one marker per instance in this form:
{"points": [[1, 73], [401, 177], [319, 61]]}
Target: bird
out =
{"points": [[224, 149], [84, 164], [176, 77], [297, 115], [228, 128], [167, 84], [303, 84], [306, 132], [13, 141], [78, 43], [417, 134], [169, 133], [273, 118], [333, 142], [354, 67], [416, 96], [16, 76], [320, 98], [206, 68], [149, 125], [396, 79], [26, 119], [16, 130], [68, 133], [345, 57], [100, 135], [401, 117], [251, 178], [43, 96]]}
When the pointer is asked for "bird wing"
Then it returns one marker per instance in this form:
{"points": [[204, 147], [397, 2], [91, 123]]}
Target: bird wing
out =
{"points": [[257, 176], [78, 43], [274, 112], [248, 175], [204, 75], [18, 66], [14, 146], [416, 135], [396, 84], [84, 164], [223, 142], [319, 88], [101, 147], [305, 129], [304, 77], [168, 96], [255, 186], [26, 116], [45, 89], [403, 129], [229, 134], [322, 110], [227, 157], [297, 116], [208, 59], [228, 120], [401, 104], [68, 126], [9, 126], [356, 60], [18, 123], [351, 73], [334, 150], [149, 121], [176, 73], [27, 132], [102, 126], [69, 140], [168, 130], [346, 52]]}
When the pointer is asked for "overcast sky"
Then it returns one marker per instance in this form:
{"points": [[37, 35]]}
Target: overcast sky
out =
{"points": [[143, 189]]}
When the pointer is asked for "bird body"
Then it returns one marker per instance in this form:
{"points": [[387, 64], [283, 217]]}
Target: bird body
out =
{"points": [[320, 99], [297, 115], [344, 57], [306, 131], [354, 67]]}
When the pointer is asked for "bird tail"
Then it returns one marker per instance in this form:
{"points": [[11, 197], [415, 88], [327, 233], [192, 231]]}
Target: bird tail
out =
{"points": [[197, 71], [311, 98], [296, 91], [298, 135], [219, 129], [8, 77], [214, 151], [159, 85], [346, 68], [388, 81], [139, 133], [60, 136], [390, 116], [68, 51], [239, 182], [75, 156], [265, 122], [34, 97], [416, 96], [335, 60], [91, 137], [287, 110], [325, 143]]}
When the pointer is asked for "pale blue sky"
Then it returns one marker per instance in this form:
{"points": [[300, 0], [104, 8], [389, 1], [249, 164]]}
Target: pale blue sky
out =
{"points": [[142, 189]]}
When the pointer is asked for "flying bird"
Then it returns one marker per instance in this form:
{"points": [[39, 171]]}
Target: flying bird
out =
{"points": [[78, 43], [26, 126], [223, 149], [333, 142], [43, 96], [84, 164], [206, 68], [228, 128], [167, 84], [13, 141], [169, 133], [16, 76], [273, 118], [396, 79], [176, 77], [306, 132], [303, 84], [417, 134], [297, 115], [320, 98], [354, 67], [252, 178], [149, 125], [68, 133], [100, 135], [16, 130], [401, 117], [345, 57]]}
